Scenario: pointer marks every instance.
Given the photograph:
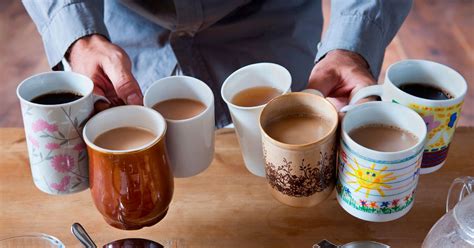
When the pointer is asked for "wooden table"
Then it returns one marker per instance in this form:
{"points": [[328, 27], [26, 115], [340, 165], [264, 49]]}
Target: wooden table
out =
{"points": [[225, 206]]}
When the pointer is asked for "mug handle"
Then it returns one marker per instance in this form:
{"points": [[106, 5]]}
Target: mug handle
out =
{"points": [[373, 90], [467, 185], [96, 98], [313, 91]]}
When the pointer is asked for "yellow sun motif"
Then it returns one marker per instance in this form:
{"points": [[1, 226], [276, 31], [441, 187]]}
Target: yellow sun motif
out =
{"points": [[370, 179]]}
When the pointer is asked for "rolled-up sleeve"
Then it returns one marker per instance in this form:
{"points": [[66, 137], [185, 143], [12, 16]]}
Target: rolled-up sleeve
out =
{"points": [[365, 27], [62, 22]]}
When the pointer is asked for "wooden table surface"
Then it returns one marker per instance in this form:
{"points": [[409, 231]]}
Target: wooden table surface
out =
{"points": [[225, 206]]}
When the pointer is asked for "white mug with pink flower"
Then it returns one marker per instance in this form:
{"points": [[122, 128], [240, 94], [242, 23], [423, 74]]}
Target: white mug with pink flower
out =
{"points": [[58, 156]]}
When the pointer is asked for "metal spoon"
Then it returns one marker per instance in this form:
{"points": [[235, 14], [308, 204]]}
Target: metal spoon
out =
{"points": [[81, 235], [357, 244]]}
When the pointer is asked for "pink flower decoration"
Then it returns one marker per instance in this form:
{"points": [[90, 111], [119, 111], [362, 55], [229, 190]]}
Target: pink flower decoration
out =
{"points": [[39, 125], [62, 163], [61, 186], [79, 147], [33, 141], [52, 146], [430, 122]]}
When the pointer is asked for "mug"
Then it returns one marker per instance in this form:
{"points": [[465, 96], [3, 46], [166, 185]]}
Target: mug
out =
{"points": [[190, 142], [245, 119], [440, 116], [300, 175], [57, 153], [130, 188], [373, 185]]}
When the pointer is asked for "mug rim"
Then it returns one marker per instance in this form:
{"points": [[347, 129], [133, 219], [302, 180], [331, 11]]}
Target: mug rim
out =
{"points": [[71, 73], [226, 82], [299, 146], [144, 147], [424, 100], [207, 88], [365, 150]]}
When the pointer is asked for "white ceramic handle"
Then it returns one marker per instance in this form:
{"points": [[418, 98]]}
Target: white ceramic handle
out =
{"points": [[313, 91], [373, 90], [97, 98]]}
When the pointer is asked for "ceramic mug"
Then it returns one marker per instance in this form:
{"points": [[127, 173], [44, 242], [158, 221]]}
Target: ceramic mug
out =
{"points": [[440, 116], [245, 119], [190, 142], [58, 156], [373, 185], [130, 188], [300, 175]]}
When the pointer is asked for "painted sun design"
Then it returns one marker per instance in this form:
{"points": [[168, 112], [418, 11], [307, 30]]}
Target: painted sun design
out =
{"points": [[369, 178]]}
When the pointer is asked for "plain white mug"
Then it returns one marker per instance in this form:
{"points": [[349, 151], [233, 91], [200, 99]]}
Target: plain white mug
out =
{"points": [[245, 119], [190, 142]]}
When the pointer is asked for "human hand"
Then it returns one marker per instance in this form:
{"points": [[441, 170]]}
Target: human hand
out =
{"points": [[340, 75], [109, 67]]}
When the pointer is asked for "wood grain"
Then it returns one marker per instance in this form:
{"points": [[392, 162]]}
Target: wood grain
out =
{"points": [[225, 206], [436, 30]]}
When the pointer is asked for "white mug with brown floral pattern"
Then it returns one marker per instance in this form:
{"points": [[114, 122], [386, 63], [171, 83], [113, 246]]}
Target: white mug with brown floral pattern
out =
{"points": [[57, 153]]}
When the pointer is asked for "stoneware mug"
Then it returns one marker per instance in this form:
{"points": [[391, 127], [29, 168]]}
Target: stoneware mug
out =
{"points": [[300, 175], [373, 185], [58, 156], [245, 119], [440, 116], [190, 142], [130, 188]]}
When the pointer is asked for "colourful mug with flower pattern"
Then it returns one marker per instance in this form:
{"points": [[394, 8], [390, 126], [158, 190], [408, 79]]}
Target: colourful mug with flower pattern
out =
{"points": [[373, 185], [58, 156], [440, 116]]}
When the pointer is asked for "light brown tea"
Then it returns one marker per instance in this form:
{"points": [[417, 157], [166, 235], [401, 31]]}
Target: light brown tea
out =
{"points": [[255, 96], [383, 138], [124, 138], [298, 129], [179, 108]]}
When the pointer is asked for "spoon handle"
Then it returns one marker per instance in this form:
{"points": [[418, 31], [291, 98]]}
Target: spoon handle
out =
{"points": [[82, 235]]}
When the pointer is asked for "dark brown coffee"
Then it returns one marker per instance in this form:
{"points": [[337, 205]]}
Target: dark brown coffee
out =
{"points": [[424, 90], [53, 98], [383, 138], [255, 96], [124, 138], [298, 129], [179, 108]]}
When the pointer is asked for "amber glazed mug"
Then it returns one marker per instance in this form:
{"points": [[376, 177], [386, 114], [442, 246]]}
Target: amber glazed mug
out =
{"points": [[130, 188], [300, 175]]}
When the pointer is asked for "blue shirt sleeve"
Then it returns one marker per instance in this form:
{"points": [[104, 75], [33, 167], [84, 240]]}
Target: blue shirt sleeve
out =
{"points": [[61, 22], [365, 27]]}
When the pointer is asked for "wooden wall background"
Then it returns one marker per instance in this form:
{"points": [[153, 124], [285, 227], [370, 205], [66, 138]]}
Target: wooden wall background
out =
{"points": [[437, 30]]}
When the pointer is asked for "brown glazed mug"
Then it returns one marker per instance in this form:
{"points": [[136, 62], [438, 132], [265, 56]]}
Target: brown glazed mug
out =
{"points": [[300, 175], [130, 188]]}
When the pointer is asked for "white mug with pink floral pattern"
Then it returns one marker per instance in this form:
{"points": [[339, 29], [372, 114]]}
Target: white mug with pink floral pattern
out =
{"points": [[58, 156]]}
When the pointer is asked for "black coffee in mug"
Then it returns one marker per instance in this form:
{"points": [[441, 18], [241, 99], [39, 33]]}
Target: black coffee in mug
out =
{"points": [[424, 90], [53, 98]]}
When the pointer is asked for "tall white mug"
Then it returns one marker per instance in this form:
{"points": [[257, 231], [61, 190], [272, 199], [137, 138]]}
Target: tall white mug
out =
{"points": [[190, 142], [245, 119]]}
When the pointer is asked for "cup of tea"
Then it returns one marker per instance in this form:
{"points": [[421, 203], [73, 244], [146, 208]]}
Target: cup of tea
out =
{"points": [[55, 106], [246, 91], [434, 91], [130, 178], [299, 148], [379, 160], [187, 104]]}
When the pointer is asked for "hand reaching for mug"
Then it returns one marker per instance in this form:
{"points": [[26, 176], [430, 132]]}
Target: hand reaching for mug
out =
{"points": [[339, 75], [109, 67]]}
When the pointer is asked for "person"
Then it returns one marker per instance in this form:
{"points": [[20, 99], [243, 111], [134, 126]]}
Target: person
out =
{"points": [[123, 46]]}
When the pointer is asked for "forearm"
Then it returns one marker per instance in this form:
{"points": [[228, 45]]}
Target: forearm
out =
{"points": [[61, 23]]}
